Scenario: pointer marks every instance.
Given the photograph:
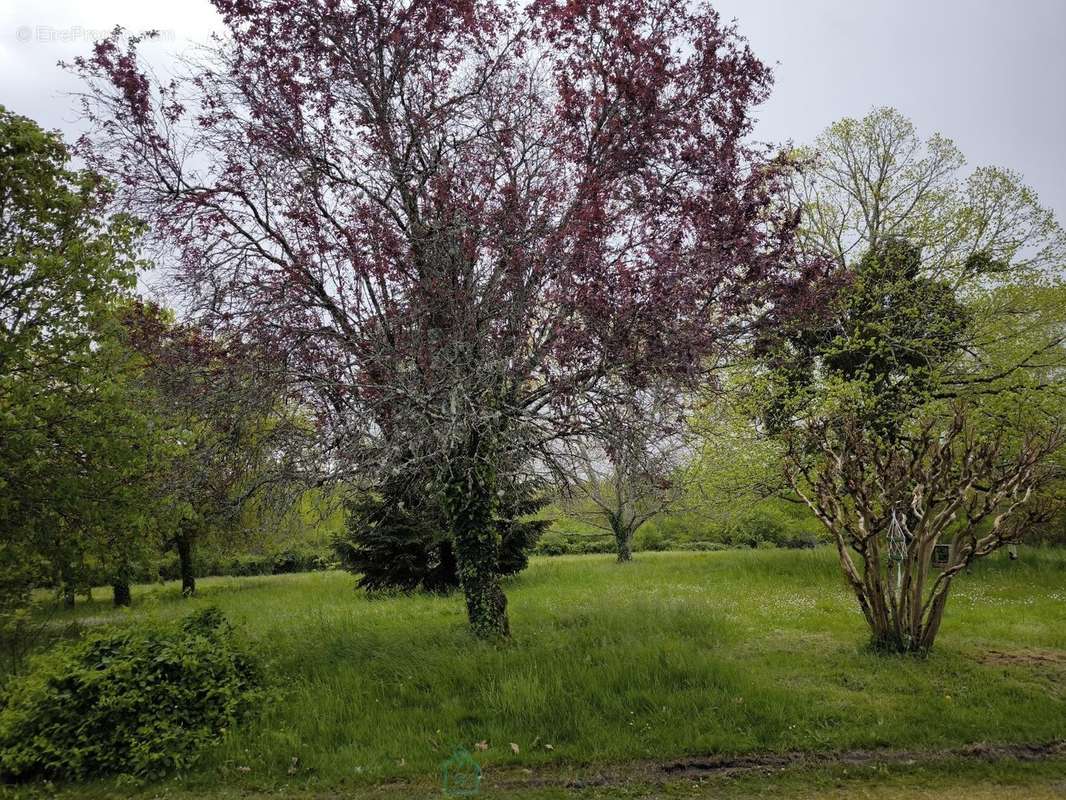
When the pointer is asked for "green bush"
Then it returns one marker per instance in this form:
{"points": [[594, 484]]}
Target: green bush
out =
{"points": [[756, 528], [653, 539], [773, 522], [560, 541], [596, 546], [770, 527], [705, 547], [799, 540], [552, 543], [137, 701]]}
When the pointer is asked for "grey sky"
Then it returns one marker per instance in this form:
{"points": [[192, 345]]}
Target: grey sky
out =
{"points": [[987, 73]]}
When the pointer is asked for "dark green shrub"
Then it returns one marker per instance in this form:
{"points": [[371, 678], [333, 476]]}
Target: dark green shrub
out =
{"points": [[705, 547], [519, 526], [771, 527], [575, 543], [563, 542], [653, 539], [298, 560], [597, 546], [244, 566], [320, 562], [553, 543], [287, 562], [799, 540], [755, 528], [138, 701], [397, 540]]}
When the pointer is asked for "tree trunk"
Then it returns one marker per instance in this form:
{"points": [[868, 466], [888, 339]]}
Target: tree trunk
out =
{"points": [[67, 585], [885, 635], [935, 616], [470, 507], [898, 624], [183, 544], [623, 538], [121, 594]]}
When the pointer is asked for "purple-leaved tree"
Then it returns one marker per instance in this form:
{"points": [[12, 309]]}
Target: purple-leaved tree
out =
{"points": [[456, 219]]}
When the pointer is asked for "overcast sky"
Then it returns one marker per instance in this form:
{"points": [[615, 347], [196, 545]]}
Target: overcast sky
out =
{"points": [[987, 73]]}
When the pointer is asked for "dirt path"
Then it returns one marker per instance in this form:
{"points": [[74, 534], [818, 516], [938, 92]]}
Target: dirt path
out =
{"points": [[692, 768]]}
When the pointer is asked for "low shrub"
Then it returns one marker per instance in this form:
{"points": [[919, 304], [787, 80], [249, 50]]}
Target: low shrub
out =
{"points": [[596, 546], [705, 547], [772, 522], [756, 528], [799, 540], [552, 543], [210, 564], [653, 539], [135, 701], [566, 542]]}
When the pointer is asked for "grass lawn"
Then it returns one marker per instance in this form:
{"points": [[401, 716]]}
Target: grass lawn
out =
{"points": [[625, 667]]}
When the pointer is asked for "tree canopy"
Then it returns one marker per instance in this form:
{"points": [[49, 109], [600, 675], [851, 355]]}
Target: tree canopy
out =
{"points": [[452, 221], [78, 449]]}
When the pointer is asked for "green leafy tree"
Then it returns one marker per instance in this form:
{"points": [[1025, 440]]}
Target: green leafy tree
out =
{"points": [[917, 403], [77, 451], [237, 442], [916, 394], [875, 178], [899, 440], [736, 484], [631, 465]]}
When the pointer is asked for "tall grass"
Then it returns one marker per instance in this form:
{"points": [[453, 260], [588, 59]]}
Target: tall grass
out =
{"points": [[676, 653]]}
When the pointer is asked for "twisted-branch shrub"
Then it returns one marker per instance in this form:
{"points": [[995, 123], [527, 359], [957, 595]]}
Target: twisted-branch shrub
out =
{"points": [[918, 396], [953, 483]]}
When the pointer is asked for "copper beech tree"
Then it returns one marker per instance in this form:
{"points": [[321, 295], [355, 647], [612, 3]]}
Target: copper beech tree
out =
{"points": [[454, 219]]}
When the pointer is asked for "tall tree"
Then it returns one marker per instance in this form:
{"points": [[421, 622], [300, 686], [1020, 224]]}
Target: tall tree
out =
{"points": [[875, 178], [921, 403], [456, 218], [235, 437], [630, 464], [904, 430], [77, 451]]}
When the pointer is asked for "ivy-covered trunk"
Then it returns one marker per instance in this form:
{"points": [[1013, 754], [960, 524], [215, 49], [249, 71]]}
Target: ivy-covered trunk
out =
{"points": [[183, 544], [623, 537], [470, 501]]}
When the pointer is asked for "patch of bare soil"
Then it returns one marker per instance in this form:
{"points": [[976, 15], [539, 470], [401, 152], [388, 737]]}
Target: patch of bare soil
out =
{"points": [[1025, 658], [860, 758], [728, 765]]}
